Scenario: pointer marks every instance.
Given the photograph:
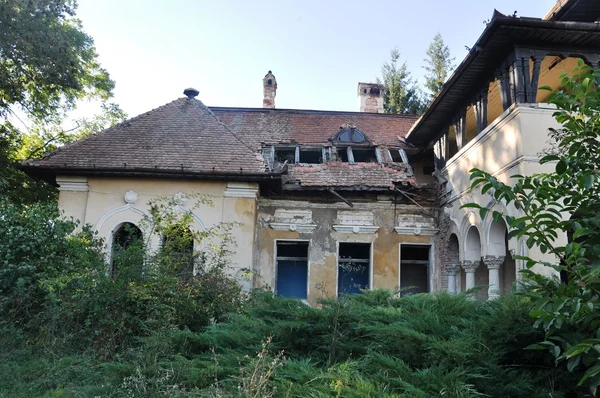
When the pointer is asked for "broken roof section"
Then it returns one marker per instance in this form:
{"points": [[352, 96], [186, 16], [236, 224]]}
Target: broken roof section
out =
{"points": [[182, 138], [345, 176]]}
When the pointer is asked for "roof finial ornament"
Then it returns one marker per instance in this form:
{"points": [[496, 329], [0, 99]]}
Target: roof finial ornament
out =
{"points": [[191, 92]]}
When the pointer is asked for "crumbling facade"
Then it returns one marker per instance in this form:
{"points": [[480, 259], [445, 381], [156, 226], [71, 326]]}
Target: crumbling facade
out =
{"points": [[335, 202]]}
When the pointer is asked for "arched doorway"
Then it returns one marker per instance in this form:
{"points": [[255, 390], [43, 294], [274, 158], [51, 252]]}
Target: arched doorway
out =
{"points": [[127, 257], [453, 269], [475, 275]]}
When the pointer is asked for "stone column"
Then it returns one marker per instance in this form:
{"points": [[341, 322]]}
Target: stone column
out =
{"points": [[493, 264], [470, 267], [452, 270]]}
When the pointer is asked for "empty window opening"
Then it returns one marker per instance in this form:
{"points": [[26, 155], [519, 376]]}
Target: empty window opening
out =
{"points": [[414, 269], [292, 269], [395, 155], [285, 155], [127, 251], [428, 169], [354, 267], [343, 154], [178, 250], [311, 156], [364, 155]]}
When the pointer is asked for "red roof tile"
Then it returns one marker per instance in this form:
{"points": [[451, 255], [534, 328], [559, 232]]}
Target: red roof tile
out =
{"points": [[344, 175], [271, 126]]}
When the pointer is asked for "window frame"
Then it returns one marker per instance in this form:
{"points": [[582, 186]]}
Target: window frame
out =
{"points": [[430, 267], [276, 267], [337, 263]]}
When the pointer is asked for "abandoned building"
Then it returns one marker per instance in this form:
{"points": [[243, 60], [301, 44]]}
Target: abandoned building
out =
{"points": [[334, 202]]}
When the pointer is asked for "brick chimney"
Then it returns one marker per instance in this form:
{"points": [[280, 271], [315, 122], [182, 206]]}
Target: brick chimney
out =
{"points": [[370, 97], [269, 90]]}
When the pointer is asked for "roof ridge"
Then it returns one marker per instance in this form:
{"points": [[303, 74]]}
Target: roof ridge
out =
{"points": [[311, 111], [210, 112]]}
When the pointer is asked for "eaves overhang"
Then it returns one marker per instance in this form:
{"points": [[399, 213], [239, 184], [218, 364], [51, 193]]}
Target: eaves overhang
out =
{"points": [[499, 38]]}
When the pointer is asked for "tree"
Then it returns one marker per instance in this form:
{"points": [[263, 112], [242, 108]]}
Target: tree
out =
{"points": [[563, 203], [47, 64], [47, 61], [402, 96], [438, 64]]}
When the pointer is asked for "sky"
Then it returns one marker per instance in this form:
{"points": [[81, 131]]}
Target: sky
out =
{"points": [[318, 50]]}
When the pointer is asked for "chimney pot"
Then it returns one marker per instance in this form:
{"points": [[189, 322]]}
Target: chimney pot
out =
{"points": [[191, 92], [269, 90]]}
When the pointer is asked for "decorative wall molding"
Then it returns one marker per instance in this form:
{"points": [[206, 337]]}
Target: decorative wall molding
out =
{"points": [[293, 220], [131, 197], [356, 229], [357, 222], [241, 190], [416, 230], [415, 224], [72, 184]]}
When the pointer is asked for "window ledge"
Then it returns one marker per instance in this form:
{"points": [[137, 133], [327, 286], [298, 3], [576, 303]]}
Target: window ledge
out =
{"points": [[357, 229], [292, 227], [416, 230]]}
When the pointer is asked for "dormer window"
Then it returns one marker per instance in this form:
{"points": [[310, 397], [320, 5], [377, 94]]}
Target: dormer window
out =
{"points": [[350, 135]]}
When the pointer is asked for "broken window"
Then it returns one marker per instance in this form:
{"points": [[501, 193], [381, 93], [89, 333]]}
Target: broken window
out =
{"points": [[344, 154], [414, 269], [354, 267], [292, 269], [395, 155], [285, 155], [127, 251], [366, 155], [311, 155]]}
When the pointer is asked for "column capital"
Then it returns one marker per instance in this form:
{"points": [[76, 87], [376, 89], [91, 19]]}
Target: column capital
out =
{"points": [[452, 269], [469, 266], [493, 262]]}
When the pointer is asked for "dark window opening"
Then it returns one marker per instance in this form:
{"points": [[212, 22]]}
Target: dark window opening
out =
{"points": [[270, 81], [364, 155], [343, 154], [395, 154], [453, 148], [292, 269], [311, 156], [375, 91], [354, 267], [127, 251], [364, 90], [414, 269], [178, 248], [428, 169], [283, 155]]}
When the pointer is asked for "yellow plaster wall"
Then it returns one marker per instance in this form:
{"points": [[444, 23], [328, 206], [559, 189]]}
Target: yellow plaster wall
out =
{"points": [[104, 208]]}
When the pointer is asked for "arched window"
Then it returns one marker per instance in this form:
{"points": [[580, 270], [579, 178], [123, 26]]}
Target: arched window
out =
{"points": [[350, 136], [127, 251], [178, 250]]}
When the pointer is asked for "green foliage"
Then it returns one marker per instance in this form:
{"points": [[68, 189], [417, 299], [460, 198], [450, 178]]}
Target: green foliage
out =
{"points": [[438, 64], [402, 95], [47, 62], [415, 346], [556, 205]]}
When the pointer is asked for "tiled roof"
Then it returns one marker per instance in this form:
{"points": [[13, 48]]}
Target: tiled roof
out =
{"points": [[185, 138], [271, 126], [182, 136], [345, 176]]}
